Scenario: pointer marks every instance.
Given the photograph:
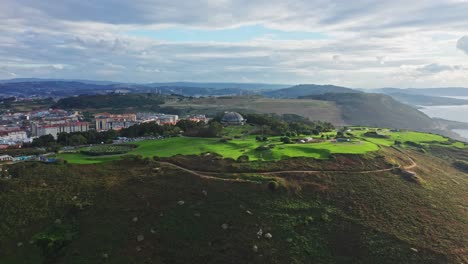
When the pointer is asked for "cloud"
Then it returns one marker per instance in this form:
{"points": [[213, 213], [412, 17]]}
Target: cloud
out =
{"points": [[381, 59], [437, 68], [86, 40], [462, 44]]}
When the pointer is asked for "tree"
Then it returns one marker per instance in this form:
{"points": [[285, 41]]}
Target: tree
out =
{"points": [[77, 140], [43, 141], [186, 124]]}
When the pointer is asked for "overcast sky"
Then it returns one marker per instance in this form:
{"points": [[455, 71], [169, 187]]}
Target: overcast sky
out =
{"points": [[362, 44]]}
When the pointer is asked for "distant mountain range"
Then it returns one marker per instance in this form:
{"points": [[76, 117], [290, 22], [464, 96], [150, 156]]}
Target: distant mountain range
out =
{"points": [[34, 87]]}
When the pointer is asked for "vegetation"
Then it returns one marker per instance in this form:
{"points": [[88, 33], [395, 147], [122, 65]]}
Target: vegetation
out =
{"points": [[237, 147], [462, 165], [377, 110], [112, 102], [307, 89], [102, 150], [141, 211]]}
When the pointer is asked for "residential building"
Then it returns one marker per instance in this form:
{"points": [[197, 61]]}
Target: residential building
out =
{"points": [[106, 121], [41, 129]]}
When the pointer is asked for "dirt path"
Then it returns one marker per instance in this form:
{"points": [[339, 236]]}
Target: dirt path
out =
{"points": [[209, 175]]}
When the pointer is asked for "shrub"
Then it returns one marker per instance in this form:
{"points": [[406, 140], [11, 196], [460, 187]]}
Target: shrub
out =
{"points": [[262, 148], [52, 240], [461, 165], [273, 185], [413, 144], [243, 158], [101, 150]]}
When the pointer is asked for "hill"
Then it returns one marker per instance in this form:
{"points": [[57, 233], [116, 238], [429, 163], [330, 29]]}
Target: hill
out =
{"points": [[104, 102], [377, 110], [307, 89], [27, 87], [425, 100], [311, 109], [349, 209], [448, 91]]}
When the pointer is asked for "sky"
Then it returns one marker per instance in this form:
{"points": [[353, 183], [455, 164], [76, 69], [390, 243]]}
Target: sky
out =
{"points": [[359, 43]]}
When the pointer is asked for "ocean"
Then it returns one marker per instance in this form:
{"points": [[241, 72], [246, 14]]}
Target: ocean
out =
{"points": [[450, 112]]}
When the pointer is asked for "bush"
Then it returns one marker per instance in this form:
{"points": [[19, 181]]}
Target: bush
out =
{"points": [[273, 185], [461, 165], [374, 134], [262, 148], [243, 158], [107, 150], [414, 144], [52, 240]]}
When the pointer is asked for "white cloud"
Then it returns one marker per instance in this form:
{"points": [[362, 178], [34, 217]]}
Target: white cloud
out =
{"points": [[462, 44], [82, 39]]}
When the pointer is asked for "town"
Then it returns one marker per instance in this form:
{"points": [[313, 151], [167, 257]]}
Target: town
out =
{"points": [[21, 128]]}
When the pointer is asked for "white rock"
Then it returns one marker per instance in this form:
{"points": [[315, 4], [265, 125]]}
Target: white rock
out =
{"points": [[268, 236], [152, 231], [255, 248], [135, 219], [180, 202], [138, 249], [58, 221], [140, 238], [249, 212], [105, 255], [413, 249], [289, 240], [224, 226], [260, 233], [19, 244], [205, 193]]}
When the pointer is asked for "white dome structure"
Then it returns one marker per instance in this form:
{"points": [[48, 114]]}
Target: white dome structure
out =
{"points": [[233, 118]]}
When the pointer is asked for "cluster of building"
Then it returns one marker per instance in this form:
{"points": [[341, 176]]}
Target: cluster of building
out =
{"points": [[19, 128]]}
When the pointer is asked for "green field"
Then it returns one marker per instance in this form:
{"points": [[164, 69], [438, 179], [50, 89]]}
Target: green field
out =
{"points": [[232, 149], [402, 136], [240, 144]]}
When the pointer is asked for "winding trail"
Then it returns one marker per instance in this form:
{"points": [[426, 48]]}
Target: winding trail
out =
{"points": [[209, 175]]}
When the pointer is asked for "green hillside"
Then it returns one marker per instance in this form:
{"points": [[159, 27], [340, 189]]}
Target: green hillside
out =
{"points": [[307, 89], [147, 211], [377, 110]]}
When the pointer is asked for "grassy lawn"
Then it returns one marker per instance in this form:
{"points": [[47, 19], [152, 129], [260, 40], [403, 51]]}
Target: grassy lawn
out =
{"points": [[232, 149], [246, 145], [417, 137]]}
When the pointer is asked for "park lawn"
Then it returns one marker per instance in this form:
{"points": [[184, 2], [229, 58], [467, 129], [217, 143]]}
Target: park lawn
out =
{"points": [[417, 137], [231, 149]]}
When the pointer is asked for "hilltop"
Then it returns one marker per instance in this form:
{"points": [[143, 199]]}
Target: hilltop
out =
{"points": [[307, 89], [203, 208]]}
